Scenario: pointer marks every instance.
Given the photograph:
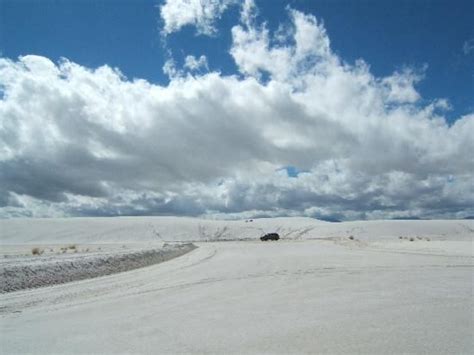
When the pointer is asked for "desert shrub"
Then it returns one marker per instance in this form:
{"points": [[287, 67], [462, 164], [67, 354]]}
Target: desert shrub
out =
{"points": [[351, 237], [73, 246], [412, 239], [36, 251]]}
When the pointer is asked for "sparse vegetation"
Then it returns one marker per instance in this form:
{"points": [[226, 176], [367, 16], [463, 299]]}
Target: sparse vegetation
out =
{"points": [[351, 237], [36, 251], [73, 246], [412, 239]]}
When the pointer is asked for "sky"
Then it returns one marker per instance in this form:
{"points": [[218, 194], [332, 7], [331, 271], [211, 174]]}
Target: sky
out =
{"points": [[339, 110]]}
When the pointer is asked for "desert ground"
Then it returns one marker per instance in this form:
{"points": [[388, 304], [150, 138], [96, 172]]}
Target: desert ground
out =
{"points": [[146, 285]]}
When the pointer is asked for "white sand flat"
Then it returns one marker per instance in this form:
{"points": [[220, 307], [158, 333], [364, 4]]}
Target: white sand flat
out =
{"points": [[298, 295]]}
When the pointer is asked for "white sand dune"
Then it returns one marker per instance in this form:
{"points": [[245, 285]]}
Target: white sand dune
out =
{"points": [[145, 229], [315, 291]]}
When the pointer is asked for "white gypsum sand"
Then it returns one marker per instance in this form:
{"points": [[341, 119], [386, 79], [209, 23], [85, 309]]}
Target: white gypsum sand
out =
{"points": [[355, 287], [55, 268]]}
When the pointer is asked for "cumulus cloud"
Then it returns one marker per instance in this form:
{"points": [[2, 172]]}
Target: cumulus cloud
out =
{"points": [[88, 141], [200, 13]]}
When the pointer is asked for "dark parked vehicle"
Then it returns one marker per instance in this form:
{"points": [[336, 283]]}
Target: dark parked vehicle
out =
{"points": [[270, 236]]}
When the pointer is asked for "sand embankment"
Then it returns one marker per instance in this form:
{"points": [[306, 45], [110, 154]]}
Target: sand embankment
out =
{"points": [[38, 271]]}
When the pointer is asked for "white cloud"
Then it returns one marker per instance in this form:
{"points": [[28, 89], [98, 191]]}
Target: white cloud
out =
{"points": [[199, 13], [248, 12], [194, 64], [257, 52], [77, 141], [400, 87], [468, 46], [191, 65], [169, 68]]}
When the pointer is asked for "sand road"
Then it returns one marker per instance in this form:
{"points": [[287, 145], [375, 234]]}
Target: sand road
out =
{"points": [[312, 296]]}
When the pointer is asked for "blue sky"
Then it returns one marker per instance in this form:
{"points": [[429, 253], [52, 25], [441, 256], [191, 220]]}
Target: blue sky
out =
{"points": [[340, 110], [388, 35]]}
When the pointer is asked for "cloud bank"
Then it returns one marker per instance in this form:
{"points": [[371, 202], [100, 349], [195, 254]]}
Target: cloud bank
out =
{"points": [[87, 141]]}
